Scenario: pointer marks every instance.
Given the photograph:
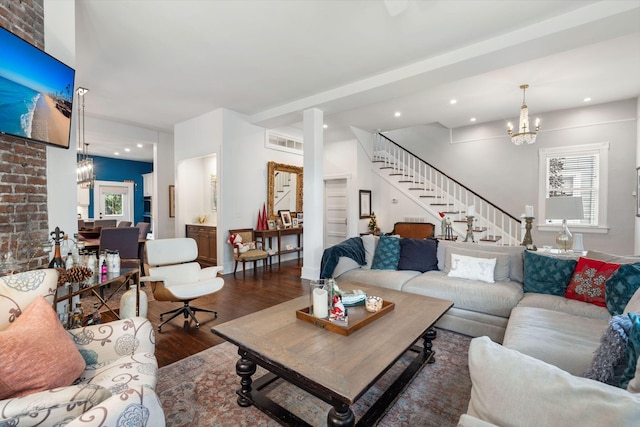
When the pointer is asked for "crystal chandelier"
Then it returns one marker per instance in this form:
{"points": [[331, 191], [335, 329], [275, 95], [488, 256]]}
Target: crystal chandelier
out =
{"points": [[84, 168], [524, 135]]}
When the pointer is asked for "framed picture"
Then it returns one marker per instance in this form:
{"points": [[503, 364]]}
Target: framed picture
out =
{"points": [[638, 191], [295, 222], [272, 224], [286, 218], [365, 203], [172, 201], [300, 218]]}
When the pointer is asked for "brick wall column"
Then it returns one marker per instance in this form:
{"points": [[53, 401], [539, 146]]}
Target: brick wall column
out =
{"points": [[23, 179]]}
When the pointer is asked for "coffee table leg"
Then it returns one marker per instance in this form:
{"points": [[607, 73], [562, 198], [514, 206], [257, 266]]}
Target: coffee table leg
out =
{"points": [[428, 345], [341, 416], [244, 368]]}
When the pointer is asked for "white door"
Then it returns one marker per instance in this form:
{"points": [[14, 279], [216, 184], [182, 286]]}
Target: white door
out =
{"points": [[336, 211], [113, 200]]}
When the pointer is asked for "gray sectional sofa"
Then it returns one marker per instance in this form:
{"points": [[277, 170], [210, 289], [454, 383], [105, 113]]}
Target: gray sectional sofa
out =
{"points": [[548, 341], [478, 309]]}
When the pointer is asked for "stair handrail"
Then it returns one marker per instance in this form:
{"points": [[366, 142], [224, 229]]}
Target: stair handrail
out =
{"points": [[452, 179]]}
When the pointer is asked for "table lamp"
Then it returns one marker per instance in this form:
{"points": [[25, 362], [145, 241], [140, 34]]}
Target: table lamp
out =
{"points": [[564, 208]]}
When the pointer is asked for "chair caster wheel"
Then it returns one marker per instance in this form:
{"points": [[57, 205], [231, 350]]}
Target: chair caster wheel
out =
{"points": [[197, 325], [159, 329], [160, 317]]}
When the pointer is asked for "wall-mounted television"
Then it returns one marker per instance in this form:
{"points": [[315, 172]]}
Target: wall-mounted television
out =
{"points": [[36, 93]]}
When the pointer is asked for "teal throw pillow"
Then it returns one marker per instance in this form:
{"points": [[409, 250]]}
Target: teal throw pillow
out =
{"points": [[621, 286], [633, 351], [546, 274], [387, 254]]}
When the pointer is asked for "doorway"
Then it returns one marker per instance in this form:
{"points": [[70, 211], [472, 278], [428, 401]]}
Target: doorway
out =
{"points": [[113, 200], [336, 211]]}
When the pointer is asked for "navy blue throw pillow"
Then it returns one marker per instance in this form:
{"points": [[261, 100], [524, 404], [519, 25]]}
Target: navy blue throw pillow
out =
{"points": [[418, 254]]}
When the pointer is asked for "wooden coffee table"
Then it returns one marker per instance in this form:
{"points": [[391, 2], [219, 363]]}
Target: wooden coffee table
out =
{"points": [[335, 368]]}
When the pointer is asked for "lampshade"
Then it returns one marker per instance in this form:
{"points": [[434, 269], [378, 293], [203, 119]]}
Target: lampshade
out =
{"points": [[564, 208]]}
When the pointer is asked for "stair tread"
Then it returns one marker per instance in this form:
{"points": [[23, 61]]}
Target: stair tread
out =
{"points": [[441, 204], [419, 188], [430, 196], [491, 239]]}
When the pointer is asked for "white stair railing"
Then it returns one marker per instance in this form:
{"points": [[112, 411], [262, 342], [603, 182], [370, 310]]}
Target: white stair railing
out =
{"points": [[438, 192]]}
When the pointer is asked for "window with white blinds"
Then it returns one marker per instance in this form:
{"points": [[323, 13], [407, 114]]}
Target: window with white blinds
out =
{"points": [[577, 171]]}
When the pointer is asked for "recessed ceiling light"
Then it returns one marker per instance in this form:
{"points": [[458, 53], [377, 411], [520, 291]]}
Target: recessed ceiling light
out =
{"points": [[139, 145], [473, 119], [453, 101], [587, 99], [117, 153], [398, 114], [325, 126], [127, 149]]}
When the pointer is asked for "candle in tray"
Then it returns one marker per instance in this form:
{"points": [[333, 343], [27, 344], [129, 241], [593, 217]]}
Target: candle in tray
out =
{"points": [[471, 211], [320, 303], [528, 209]]}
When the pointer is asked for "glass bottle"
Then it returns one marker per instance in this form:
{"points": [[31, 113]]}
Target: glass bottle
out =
{"points": [[68, 263], [97, 317], [115, 262], [77, 316], [57, 261]]}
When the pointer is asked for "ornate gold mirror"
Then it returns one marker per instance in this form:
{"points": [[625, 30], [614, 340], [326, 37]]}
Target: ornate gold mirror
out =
{"points": [[285, 188]]}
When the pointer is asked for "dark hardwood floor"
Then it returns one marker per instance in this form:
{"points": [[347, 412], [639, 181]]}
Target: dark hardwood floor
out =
{"points": [[237, 298]]}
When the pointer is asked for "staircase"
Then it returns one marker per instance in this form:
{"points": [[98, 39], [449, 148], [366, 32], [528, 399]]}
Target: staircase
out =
{"points": [[436, 192]]}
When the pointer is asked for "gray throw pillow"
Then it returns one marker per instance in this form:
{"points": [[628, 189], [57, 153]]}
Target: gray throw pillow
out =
{"points": [[610, 359], [501, 271]]}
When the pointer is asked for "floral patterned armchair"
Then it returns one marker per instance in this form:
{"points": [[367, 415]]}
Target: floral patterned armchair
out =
{"points": [[117, 387]]}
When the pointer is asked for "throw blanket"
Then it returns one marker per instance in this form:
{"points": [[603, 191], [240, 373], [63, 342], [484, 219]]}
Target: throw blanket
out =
{"points": [[351, 248]]}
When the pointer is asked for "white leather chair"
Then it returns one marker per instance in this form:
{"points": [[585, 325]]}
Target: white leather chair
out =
{"points": [[176, 276]]}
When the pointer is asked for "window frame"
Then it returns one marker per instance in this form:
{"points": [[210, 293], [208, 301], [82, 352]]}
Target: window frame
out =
{"points": [[574, 150]]}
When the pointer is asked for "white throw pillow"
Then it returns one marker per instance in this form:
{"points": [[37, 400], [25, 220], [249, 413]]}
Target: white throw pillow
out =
{"points": [[466, 267], [510, 388]]}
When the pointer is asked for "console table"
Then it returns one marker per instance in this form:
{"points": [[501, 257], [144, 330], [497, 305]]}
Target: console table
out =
{"points": [[268, 235]]}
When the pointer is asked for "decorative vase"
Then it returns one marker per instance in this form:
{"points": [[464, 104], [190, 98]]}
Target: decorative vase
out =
{"points": [[265, 224], [128, 303], [259, 224]]}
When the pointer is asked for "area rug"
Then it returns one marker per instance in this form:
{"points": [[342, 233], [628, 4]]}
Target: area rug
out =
{"points": [[200, 391]]}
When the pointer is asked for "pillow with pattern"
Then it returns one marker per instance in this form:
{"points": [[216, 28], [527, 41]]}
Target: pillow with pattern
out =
{"points": [[547, 275], [621, 286], [387, 254], [466, 267], [588, 281], [633, 350]]}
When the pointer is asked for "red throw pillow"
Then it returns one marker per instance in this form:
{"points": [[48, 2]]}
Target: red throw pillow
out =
{"points": [[37, 353], [588, 281]]}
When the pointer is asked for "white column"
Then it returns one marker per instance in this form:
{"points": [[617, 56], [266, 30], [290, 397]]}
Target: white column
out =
{"points": [[313, 200]]}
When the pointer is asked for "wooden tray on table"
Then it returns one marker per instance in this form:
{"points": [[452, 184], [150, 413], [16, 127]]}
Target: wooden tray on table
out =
{"points": [[358, 318]]}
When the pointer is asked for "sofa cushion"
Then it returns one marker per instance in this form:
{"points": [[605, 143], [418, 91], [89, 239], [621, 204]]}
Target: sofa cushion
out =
{"points": [[588, 281], [561, 339], [497, 299], [369, 241], [418, 254], [510, 388], [466, 267], [617, 259], [632, 351], [516, 271], [501, 270], [547, 275], [609, 360], [387, 254], [569, 306], [389, 279], [19, 290], [621, 286], [37, 354], [344, 264]]}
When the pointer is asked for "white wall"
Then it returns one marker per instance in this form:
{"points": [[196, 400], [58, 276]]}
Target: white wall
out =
{"points": [[164, 175], [62, 198], [241, 167], [488, 163]]}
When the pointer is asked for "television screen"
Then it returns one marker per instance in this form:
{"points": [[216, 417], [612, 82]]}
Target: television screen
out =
{"points": [[36, 93]]}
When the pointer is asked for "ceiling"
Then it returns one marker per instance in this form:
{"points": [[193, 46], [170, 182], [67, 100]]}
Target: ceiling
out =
{"points": [[154, 64]]}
